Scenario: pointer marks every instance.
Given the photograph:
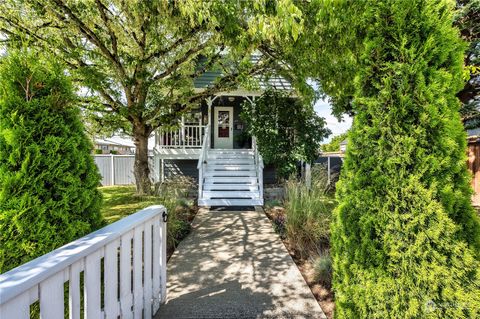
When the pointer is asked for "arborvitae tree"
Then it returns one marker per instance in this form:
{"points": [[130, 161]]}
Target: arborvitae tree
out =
{"points": [[48, 180], [405, 237]]}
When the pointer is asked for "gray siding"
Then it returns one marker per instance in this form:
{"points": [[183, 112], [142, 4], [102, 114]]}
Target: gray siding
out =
{"points": [[174, 168], [269, 174]]}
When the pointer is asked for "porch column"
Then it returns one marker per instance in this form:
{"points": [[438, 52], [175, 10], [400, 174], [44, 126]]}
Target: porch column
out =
{"points": [[209, 104]]}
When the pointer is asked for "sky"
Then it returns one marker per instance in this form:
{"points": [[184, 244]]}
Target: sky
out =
{"points": [[323, 108]]}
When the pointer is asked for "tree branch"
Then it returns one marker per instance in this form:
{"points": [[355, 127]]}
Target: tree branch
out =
{"points": [[103, 13], [91, 36], [174, 45], [174, 66]]}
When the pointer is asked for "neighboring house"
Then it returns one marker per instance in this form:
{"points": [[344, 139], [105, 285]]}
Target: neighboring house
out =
{"points": [[114, 145], [120, 145], [343, 146], [211, 146]]}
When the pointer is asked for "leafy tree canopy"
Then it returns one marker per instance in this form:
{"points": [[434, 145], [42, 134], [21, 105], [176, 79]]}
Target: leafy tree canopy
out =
{"points": [[138, 59], [334, 145]]}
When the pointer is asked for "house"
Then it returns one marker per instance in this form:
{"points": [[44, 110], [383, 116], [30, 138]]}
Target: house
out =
{"points": [[211, 145], [343, 146], [119, 145], [114, 145]]}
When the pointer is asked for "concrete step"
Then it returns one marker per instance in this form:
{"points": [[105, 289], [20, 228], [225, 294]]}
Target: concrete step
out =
{"points": [[230, 202], [230, 194], [231, 187]]}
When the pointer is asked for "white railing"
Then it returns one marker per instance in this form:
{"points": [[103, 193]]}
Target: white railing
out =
{"points": [[129, 254], [202, 158], [258, 166], [186, 136]]}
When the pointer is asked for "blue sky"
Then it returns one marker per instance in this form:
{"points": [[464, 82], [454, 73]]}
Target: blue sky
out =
{"points": [[323, 108]]}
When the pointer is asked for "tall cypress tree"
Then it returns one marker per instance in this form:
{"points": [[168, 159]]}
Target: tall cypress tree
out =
{"points": [[405, 237], [48, 180]]}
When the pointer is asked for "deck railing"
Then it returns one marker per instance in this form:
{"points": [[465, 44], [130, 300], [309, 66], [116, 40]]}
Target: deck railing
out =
{"points": [[186, 136], [129, 254], [202, 158], [258, 165]]}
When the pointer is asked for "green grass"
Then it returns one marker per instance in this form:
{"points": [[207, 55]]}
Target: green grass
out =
{"points": [[121, 201]]}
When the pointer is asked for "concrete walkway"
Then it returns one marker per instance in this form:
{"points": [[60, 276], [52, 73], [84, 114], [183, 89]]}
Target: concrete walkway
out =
{"points": [[233, 265]]}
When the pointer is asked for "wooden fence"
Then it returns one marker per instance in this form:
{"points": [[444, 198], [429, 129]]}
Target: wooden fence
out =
{"points": [[474, 168]]}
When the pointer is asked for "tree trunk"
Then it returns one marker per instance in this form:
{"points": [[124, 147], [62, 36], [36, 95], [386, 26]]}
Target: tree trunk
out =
{"points": [[141, 169]]}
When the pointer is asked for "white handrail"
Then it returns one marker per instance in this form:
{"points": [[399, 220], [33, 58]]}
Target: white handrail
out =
{"points": [[43, 278], [258, 166], [202, 158]]}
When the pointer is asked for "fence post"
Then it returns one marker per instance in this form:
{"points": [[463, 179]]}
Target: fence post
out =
{"points": [[112, 172], [328, 170], [308, 175]]}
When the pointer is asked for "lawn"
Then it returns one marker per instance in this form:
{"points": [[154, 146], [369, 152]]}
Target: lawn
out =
{"points": [[121, 201]]}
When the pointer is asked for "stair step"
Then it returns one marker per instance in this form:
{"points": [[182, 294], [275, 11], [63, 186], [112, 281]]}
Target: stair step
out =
{"points": [[230, 173], [230, 151], [213, 168], [229, 157], [231, 187], [228, 161], [230, 202], [230, 180], [230, 194]]}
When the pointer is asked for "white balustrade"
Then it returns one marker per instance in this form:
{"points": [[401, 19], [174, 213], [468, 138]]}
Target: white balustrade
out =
{"points": [[186, 136], [129, 254], [258, 165], [202, 158]]}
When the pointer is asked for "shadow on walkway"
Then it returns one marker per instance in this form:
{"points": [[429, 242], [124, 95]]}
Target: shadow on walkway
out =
{"points": [[233, 265]]}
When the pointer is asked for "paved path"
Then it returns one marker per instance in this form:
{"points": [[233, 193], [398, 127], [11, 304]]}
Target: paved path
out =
{"points": [[233, 265]]}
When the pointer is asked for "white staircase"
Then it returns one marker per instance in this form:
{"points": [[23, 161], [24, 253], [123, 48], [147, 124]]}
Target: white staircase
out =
{"points": [[231, 177]]}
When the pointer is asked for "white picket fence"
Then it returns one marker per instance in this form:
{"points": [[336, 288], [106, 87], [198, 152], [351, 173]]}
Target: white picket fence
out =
{"points": [[130, 255], [118, 169]]}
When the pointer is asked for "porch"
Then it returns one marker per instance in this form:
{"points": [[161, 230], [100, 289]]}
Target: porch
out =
{"points": [[219, 112], [227, 162]]}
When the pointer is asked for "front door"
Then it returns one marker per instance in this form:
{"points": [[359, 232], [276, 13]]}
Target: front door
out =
{"points": [[223, 127]]}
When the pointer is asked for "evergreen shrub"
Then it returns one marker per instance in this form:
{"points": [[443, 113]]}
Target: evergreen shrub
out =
{"points": [[48, 180], [405, 236]]}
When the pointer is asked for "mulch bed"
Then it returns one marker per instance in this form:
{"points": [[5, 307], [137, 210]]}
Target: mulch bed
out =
{"points": [[188, 214]]}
